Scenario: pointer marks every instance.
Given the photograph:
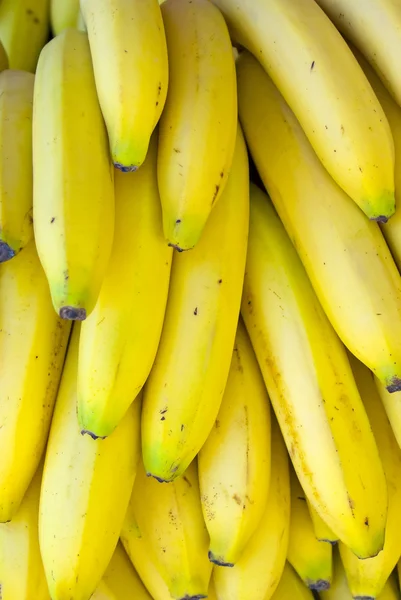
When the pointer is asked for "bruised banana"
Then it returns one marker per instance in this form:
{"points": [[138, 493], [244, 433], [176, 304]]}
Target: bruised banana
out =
{"points": [[185, 387], [73, 202], [312, 389]]}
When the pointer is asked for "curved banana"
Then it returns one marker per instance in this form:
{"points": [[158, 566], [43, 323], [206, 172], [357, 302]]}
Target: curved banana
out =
{"points": [[368, 25], [392, 406], [85, 492], [311, 558], [172, 532], [257, 572], [291, 587], [21, 570], [234, 462], [33, 342], [322, 531], [367, 578], [16, 180], [119, 340], [199, 122], [312, 389], [24, 30], [122, 579], [329, 232], [320, 79], [130, 62], [185, 387], [63, 14], [73, 204]]}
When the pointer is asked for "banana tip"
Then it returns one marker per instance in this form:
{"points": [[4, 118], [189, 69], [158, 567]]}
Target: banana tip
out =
{"points": [[92, 435], [394, 385], [159, 479], [319, 585], [125, 168], [218, 560], [6, 252], [380, 219], [70, 313]]}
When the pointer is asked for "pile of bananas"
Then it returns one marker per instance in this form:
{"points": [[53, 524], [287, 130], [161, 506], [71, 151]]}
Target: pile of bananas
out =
{"points": [[200, 299]]}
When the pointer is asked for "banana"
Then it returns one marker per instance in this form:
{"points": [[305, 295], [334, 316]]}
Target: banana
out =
{"points": [[172, 532], [392, 406], [103, 592], [24, 30], [86, 489], [21, 570], [16, 190], [329, 232], [185, 387], [320, 79], [291, 587], [198, 125], [390, 590], [367, 578], [129, 53], [311, 558], [119, 339], [63, 14], [322, 531], [256, 574], [312, 389], [33, 342], [234, 462], [367, 25], [392, 229], [122, 579], [73, 204]]}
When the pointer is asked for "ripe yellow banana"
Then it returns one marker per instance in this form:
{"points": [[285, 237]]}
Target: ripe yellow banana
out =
{"points": [[119, 340], [24, 30], [366, 578], [392, 406], [320, 79], [375, 27], [330, 233], [256, 574], [122, 579], [198, 125], [311, 558], [322, 531], [73, 202], [129, 53], [173, 532], [183, 393], [291, 587], [21, 570], [312, 389], [234, 462], [16, 182], [63, 14], [33, 341], [86, 489]]}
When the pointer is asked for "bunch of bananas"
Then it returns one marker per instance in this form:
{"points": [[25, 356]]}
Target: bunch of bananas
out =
{"points": [[200, 299]]}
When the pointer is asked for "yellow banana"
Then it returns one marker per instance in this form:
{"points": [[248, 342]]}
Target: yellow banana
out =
{"points": [[375, 27], [256, 574], [183, 394], [291, 587], [21, 570], [63, 14], [390, 590], [85, 492], [311, 558], [234, 462], [119, 340], [312, 388], [129, 52], [16, 183], [198, 125], [172, 532], [392, 406], [366, 578], [24, 30], [392, 229], [322, 531], [320, 79], [122, 579], [329, 232], [33, 342], [73, 202]]}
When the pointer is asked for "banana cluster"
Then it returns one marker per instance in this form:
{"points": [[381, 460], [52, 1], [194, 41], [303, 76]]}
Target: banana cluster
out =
{"points": [[200, 300]]}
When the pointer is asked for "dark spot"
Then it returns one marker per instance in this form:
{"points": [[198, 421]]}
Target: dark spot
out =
{"points": [[163, 419], [92, 435], [36, 356], [301, 498], [196, 311], [217, 424], [216, 191], [157, 103], [366, 522], [29, 11], [36, 21], [177, 150], [163, 411], [312, 65], [66, 275], [178, 221], [395, 385], [237, 499], [185, 478], [220, 281], [52, 219], [182, 427], [222, 174], [159, 89]]}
